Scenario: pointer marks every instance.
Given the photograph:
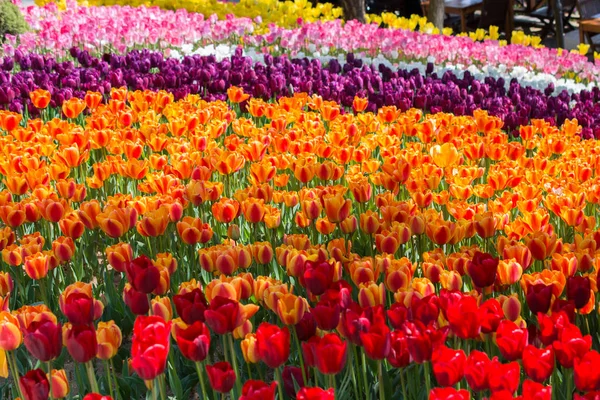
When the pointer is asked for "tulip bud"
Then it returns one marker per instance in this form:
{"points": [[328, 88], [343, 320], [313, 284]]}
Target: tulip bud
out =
{"points": [[10, 334], [249, 350], [233, 232], [512, 308], [109, 338], [60, 383], [161, 306]]}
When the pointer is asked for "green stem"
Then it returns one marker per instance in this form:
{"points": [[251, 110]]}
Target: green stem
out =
{"points": [[44, 292], [49, 364], [117, 392], [300, 355], [569, 378], [108, 378], [92, 377], [364, 371], [162, 386], [279, 383], [14, 370], [201, 378], [403, 384], [427, 377], [235, 366], [155, 389], [381, 388]]}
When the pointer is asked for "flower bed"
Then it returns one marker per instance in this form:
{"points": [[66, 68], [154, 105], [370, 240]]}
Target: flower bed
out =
{"points": [[346, 254]]}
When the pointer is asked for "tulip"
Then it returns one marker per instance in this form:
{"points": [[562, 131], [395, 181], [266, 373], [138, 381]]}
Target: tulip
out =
{"points": [[315, 393], [538, 363], [249, 349], [10, 334], [150, 346], [194, 341], [34, 385], [571, 345], [291, 308], [476, 371], [60, 383], [136, 301], [142, 274], [504, 376], [258, 390], [448, 365], [223, 315], [511, 340], [326, 315], [109, 338], [318, 276], [482, 269], [587, 376], [463, 317], [43, 339], [448, 393], [78, 305], [578, 290], [81, 342], [273, 344], [539, 297], [119, 255], [96, 396], [330, 354], [221, 376], [376, 341], [422, 340], [190, 306]]}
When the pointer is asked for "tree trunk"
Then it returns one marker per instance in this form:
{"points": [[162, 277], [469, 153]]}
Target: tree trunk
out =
{"points": [[354, 9], [435, 13]]}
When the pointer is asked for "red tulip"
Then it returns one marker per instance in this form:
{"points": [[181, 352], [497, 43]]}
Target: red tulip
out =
{"points": [[578, 290], [221, 376], [448, 393], [571, 345], [482, 269], [190, 306], [539, 297], [399, 356], [43, 339], [587, 374], [448, 365], [588, 396], [223, 315], [81, 342], [306, 328], [327, 315], [504, 376], [425, 309], [538, 363], [490, 315], [150, 346], [536, 391], [549, 326], [463, 317], [34, 385], [511, 340], [273, 344], [292, 378], [330, 353], [258, 390], [194, 341], [136, 301], [422, 340], [318, 276], [315, 393], [376, 341], [397, 315], [79, 308], [143, 275], [476, 371], [96, 396]]}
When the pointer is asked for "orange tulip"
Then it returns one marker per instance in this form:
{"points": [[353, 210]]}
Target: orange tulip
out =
{"points": [[10, 334], [109, 337], [291, 308], [40, 98], [192, 230], [119, 255], [37, 265], [73, 107]]}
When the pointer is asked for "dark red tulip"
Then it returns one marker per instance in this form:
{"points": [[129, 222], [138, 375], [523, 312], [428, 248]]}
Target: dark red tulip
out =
{"points": [[564, 306], [463, 317], [448, 393], [399, 357], [79, 308], [376, 341], [536, 391], [34, 385], [504, 376], [43, 339], [307, 327], [448, 365], [397, 315], [571, 345], [150, 346], [511, 340], [315, 393], [422, 340], [538, 363], [194, 341], [330, 354], [258, 390], [354, 322], [309, 350], [482, 269], [476, 371], [221, 376], [142, 274], [318, 276], [490, 315], [223, 315], [190, 306], [578, 290], [273, 344], [327, 315], [425, 309], [539, 297], [292, 378], [136, 301], [587, 373], [81, 342]]}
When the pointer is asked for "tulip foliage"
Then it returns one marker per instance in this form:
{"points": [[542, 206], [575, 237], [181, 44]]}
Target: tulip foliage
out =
{"points": [[295, 248]]}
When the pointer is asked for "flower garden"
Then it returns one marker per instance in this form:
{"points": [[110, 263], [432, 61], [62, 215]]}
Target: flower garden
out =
{"points": [[225, 202]]}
